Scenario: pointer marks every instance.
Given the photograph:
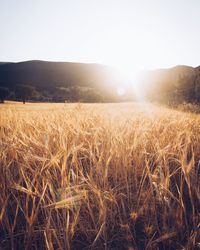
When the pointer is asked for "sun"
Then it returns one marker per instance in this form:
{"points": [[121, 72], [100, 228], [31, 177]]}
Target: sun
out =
{"points": [[130, 84], [121, 91]]}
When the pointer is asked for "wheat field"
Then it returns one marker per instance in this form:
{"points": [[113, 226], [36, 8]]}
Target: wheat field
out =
{"points": [[99, 176]]}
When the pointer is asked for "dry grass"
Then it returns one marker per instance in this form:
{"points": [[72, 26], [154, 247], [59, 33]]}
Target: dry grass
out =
{"points": [[99, 176]]}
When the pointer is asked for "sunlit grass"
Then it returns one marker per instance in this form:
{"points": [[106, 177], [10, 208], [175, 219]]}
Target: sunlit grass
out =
{"points": [[99, 176]]}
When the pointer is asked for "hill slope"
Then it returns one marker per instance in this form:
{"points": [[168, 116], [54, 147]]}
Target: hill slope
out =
{"points": [[180, 83], [53, 76], [58, 81], [43, 73]]}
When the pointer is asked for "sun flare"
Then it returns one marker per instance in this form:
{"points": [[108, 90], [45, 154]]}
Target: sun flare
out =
{"points": [[130, 84], [121, 91]]}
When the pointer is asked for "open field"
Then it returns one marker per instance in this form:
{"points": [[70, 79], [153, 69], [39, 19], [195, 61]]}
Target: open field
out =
{"points": [[99, 176]]}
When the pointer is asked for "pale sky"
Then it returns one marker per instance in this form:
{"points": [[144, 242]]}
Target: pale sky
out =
{"points": [[128, 34]]}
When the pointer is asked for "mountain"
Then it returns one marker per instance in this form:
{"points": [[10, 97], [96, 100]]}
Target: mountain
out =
{"points": [[176, 84], [43, 73], [59, 81], [51, 78]]}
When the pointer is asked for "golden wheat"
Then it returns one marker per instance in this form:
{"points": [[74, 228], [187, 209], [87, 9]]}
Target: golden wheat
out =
{"points": [[99, 176]]}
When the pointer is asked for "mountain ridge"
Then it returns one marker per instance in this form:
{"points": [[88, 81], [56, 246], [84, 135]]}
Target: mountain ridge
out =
{"points": [[51, 76]]}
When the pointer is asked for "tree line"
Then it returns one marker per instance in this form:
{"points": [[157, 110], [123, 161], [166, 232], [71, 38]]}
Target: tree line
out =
{"points": [[21, 92], [25, 93], [186, 89]]}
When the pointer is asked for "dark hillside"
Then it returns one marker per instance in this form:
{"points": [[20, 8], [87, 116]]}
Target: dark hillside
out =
{"points": [[60, 81]]}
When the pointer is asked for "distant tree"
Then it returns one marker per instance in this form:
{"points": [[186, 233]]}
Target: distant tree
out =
{"points": [[24, 92], [4, 92], [37, 96], [186, 88]]}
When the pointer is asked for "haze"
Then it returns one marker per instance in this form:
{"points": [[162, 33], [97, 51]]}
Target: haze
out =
{"points": [[129, 35]]}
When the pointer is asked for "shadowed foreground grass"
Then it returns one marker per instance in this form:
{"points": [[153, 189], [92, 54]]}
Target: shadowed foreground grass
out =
{"points": [[99, 176]]}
